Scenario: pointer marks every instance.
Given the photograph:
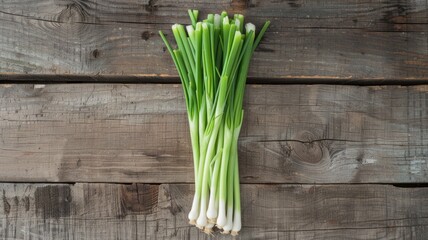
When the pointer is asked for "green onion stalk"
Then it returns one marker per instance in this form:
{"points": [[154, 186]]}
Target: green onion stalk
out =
{"points": [[212, 59]]}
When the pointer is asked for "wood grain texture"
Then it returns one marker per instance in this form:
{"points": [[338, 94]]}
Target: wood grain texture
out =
{"points": [[99, 211], [309, 41], [139, 133]]}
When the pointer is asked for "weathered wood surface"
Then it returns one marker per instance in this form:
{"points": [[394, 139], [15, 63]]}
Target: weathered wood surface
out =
{"points": [[113, 211], [309, 41], [138, 133]]}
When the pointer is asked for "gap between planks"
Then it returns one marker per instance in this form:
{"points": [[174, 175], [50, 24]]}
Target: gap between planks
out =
{"points": [[396, 185], [137, 79]]}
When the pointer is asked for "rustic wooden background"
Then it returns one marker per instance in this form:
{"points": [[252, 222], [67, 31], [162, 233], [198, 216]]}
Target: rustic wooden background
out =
{"points": [[94, 141]]}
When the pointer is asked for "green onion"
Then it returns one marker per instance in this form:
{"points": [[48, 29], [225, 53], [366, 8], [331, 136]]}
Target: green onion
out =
{"points": [[212, 59]]}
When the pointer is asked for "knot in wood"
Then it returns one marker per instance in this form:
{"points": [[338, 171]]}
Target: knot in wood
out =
{"points": [[138, 199], [73, 13], [146, 35], [150, 6], [307, 148], [239, 5]]}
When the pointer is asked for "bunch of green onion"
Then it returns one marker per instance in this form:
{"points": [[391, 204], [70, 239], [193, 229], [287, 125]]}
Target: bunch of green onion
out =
{"points": [[212, 59]]}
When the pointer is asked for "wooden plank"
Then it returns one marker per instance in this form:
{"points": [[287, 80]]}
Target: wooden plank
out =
{"points": [[139, 133], [112, 211], [310, 41]]}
